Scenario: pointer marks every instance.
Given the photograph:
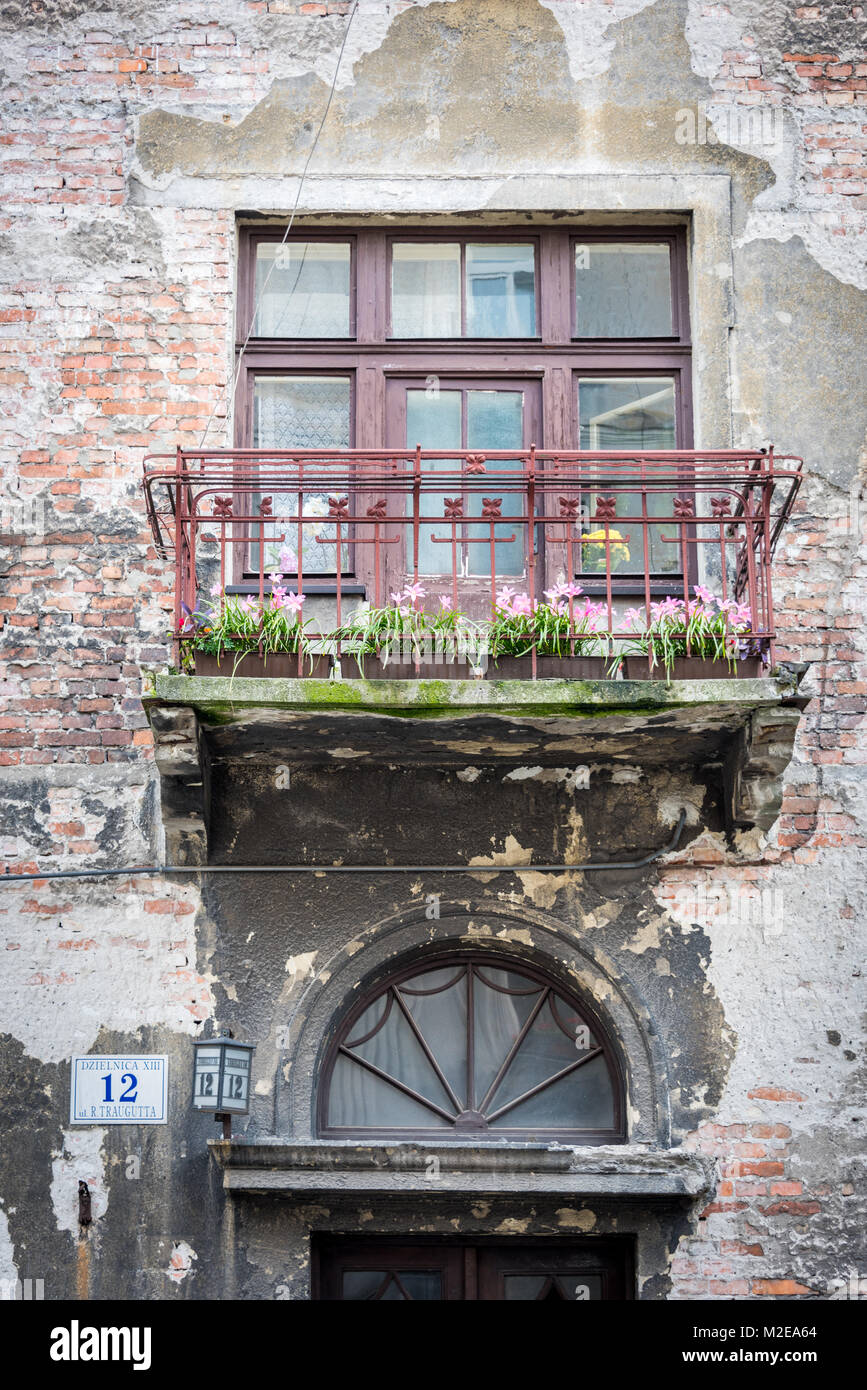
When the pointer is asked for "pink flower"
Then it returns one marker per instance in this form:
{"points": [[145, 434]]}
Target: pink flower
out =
{"points": [[414, 592], [635, 617], [505, 596], [445, 603], [667, 608], [295, 602], [703, 593], [570, 590], [215, 590], [521, 605], [247, 605], [288, 560]]}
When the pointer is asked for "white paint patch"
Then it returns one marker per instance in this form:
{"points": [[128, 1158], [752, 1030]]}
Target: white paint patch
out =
{"points": [[66, 980], [469, 774], [8, 1270], [299, 967], [348, 753], [670, 808], [572, 778], [181, 1263], [585, 29], [82, 1159]]}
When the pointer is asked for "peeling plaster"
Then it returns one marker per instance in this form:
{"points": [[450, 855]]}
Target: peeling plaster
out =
{"points": [[181, 1262], [300, 967], [87, 969], [576, 1220], [8, 1269], [81, 1159], [585, 30]]}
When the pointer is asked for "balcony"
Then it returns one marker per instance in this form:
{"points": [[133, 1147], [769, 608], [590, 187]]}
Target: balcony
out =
{"points": [[509, 586]]}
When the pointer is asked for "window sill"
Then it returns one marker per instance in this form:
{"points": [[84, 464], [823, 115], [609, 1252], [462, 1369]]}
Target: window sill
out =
{"points": [[345, 1167]]}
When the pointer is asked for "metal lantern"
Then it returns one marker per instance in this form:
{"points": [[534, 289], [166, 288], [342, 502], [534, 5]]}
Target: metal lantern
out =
{"points": [[221, 1077]]}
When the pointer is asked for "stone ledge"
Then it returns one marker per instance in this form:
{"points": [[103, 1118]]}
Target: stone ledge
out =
{"points": [[344, 1167], [227, 698]]}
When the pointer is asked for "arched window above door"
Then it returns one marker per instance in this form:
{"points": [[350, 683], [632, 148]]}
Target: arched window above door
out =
{"points": [[472, 1046]]}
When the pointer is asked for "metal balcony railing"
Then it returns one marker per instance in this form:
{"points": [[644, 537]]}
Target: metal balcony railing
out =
{"points": [[347, 525]]}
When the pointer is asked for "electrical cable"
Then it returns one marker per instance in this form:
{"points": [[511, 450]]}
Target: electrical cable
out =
{"points": [[261, 293], [139, 869]]}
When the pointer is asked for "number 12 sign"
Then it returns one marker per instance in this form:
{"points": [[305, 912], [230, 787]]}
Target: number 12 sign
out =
{"points": [[119, 1091]]}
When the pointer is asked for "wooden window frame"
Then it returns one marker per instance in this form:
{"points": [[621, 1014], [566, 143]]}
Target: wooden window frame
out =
{"points": [[616, 1134], [371, 358]]}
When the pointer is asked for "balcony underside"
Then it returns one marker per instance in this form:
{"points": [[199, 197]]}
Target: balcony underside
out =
{"points": [[747, 726]]}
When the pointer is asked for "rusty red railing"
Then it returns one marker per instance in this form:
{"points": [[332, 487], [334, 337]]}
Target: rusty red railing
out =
{"points": [[360, 524]]}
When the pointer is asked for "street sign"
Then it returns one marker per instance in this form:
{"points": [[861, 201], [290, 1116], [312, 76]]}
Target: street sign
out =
{"points": [[119, 1090]]}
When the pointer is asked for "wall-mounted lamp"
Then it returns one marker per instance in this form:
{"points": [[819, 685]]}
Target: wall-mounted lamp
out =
{"points": [[221, 1078]]}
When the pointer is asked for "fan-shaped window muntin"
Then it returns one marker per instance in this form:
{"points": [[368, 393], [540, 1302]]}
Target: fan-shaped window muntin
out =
{"points": [[472, 1046]]}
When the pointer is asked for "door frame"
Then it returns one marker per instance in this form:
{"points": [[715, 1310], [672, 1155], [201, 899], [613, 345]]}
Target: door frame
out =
{"points": [[468, 1262]]}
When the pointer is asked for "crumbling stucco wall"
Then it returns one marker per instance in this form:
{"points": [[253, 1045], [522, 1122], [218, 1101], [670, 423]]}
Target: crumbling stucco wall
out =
{"points": [[132, 137]]}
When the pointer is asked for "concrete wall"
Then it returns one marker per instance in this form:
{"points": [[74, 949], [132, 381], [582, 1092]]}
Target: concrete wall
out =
{"points": [[133, 138]]}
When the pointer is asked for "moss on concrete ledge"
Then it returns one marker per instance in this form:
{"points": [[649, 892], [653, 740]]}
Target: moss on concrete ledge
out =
{"points": [[219, 698]]}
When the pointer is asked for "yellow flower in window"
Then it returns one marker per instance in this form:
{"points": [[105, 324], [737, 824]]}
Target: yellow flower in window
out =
{"points": [[593, 550]]}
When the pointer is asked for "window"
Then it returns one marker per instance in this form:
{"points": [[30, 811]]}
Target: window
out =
{"points": [[377, 339], [453, 289], [623, 414], [303, 289], [470, 1046], [623, 289]]}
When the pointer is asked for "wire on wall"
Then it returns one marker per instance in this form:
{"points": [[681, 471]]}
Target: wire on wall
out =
{"points": [[261, 292]]}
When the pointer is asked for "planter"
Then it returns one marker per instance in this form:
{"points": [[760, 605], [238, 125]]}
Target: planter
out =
{"points": [[564, 668], [278, 665], [692, 668], [374, 669]]}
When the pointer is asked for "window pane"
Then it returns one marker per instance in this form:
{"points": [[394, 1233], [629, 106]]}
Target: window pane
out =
{"points": [[360, 1100], [301, 412], [546, 1288], [626, 413], [629, 414], [501, 291], [499, 1018], [388, 1287], [425, 290], [495, 420], [307, 290], [395, 1049], [545, 1050], [442, 1021], [433, 420], [583, 1100], [623, 290]]}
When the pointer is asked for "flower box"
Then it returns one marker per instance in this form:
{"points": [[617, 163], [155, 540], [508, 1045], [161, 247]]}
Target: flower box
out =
{"points": [[564, 668], [277, 665], [373, 668], [692, 668]]}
